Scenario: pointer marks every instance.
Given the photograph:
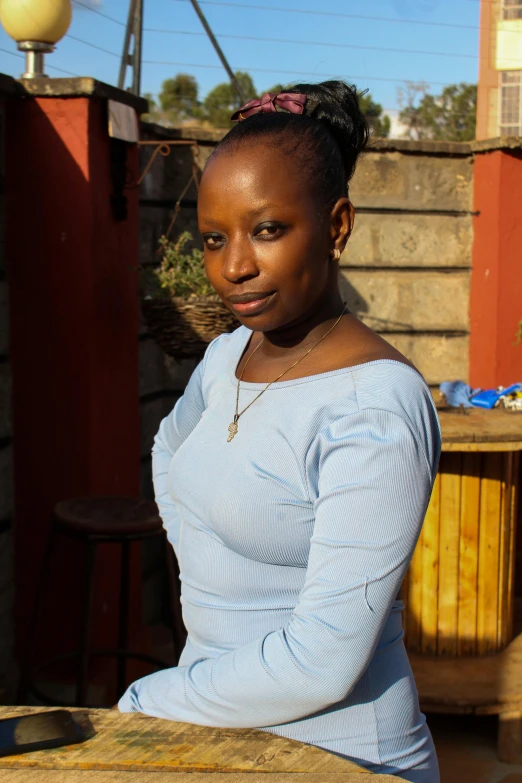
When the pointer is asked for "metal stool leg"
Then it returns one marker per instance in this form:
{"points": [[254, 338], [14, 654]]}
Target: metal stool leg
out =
{"points": [[24, 685], [123, 629], [179, 633], [83, 674]]}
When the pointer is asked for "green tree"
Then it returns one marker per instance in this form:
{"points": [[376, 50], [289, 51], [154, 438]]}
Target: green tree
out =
{"points": [[379, 124], [450, 116], [223, 100], [179, 98], [153, 114]]}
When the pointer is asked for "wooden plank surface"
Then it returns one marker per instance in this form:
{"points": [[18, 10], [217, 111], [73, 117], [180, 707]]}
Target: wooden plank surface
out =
{"points": [[478, 426], [487, 684], [134, 742], [430, 572], [412, 596], [468, 556], [489, 553], [94, 776], [449, 550]]}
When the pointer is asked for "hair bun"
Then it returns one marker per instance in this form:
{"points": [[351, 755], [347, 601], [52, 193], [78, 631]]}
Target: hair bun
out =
{"points": [[336, 105]]}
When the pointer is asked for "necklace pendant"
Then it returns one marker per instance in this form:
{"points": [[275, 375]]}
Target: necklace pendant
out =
{"points": [[232, 428]]}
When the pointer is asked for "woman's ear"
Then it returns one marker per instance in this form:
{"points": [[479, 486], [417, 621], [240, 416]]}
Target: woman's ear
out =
{"points": [[342, 219]]}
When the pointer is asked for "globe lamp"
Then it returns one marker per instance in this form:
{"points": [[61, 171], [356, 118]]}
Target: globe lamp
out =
{"points": [[36, 26]]}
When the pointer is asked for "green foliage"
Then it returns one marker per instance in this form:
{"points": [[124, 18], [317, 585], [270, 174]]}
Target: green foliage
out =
{"points": [[379, 124], [450, 116], [180, 273], [223, 100], [152, 114], [179, 97]]}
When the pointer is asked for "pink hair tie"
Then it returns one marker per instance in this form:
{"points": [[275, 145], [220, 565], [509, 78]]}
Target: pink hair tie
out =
{"points": [[293, 102]]}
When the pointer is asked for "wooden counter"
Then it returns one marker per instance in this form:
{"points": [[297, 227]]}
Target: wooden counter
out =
{"points": [[459, 589], [477, 429], [137, 749]]}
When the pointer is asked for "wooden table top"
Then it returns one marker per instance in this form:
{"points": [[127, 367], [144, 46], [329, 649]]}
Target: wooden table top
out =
{"points": [[477, 429], [119, 746]]}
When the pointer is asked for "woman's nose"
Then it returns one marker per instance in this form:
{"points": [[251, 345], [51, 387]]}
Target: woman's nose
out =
{"points": [[238, 262]]}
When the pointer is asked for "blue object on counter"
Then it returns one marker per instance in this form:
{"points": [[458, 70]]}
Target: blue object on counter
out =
{"points": [[489, 397], [458, 393]]}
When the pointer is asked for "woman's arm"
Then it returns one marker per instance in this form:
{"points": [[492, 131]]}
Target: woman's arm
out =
{"points": [[173, 430], [373, 487]]}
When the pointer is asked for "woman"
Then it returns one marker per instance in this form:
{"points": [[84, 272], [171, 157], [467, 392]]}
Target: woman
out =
{"points": [[294, 474]]}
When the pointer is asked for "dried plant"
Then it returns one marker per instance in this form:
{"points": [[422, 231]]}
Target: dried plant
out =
{"points": [[180, 272]]}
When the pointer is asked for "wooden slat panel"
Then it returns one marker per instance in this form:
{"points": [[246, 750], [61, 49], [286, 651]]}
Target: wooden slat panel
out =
{"points": [[450, 481], [489, 542], [430, 573], [506, 577], [412, 592], [469, 553], [503, 554], [515, 500]]}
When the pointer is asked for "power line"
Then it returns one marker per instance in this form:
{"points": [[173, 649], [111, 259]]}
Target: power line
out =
{"points": [[311, 43], [52, 67], [100, 13], [336, 14], [93, 46], [279, 71]]}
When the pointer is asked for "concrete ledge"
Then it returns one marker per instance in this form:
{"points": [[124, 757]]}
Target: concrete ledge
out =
{"points": [[81, 87], [462, 148], [500, 143], [150, 130]]}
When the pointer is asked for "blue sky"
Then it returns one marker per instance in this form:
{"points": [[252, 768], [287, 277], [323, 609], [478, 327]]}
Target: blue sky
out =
{"points": [[357, 49]]}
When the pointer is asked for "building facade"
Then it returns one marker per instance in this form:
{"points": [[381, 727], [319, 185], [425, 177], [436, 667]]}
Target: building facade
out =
{"points": [[499, 110]]}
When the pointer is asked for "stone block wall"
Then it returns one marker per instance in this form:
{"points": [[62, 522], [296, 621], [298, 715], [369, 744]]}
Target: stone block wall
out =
{"points": [[6, 464], [406, 269]]}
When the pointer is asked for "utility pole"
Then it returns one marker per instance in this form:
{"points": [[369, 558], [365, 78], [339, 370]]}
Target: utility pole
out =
{"points": [[218, 49], [133, 30]]}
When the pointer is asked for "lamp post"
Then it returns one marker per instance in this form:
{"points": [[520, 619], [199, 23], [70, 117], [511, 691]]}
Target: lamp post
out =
{"points": [[36, 26]]}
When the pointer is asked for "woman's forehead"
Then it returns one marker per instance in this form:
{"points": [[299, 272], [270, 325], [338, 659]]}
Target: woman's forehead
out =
{"points": [[251, 176]]}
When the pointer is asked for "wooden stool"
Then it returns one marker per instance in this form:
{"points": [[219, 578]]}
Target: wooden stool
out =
{"points": [[102, 520]]}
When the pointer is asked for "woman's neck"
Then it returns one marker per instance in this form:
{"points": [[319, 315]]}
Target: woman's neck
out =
{"points": [[303, 333]]}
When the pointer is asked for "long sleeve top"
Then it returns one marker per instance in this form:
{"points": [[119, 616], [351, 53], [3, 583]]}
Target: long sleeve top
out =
{"points": [[293, 540]]}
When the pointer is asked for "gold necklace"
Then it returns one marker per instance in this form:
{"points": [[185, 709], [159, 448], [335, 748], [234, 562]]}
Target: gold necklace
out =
{"points": [[233, 427]]}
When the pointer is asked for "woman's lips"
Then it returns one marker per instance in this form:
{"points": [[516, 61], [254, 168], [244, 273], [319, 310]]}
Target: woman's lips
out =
{"points": [[253, 307]]}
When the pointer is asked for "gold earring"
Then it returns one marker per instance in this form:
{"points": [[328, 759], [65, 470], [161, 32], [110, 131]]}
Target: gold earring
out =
{"points": [[336, 254]]}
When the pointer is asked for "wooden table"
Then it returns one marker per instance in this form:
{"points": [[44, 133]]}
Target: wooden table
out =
{"points": [[459, 590], [137, 749]]}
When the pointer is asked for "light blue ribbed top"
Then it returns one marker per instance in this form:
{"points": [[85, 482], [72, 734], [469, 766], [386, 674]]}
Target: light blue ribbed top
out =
{"points": [[293, 540]]}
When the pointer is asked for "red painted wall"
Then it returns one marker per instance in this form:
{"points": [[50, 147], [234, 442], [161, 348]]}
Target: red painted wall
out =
{"points": [[496, 280], [74, 347]]}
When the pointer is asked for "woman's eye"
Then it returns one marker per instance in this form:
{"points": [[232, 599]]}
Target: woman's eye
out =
{"points": [[268, 230], [213, 241]]}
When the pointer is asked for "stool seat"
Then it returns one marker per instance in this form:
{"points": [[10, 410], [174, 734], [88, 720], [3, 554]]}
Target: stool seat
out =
{"points": [[102, 521], [108, 516]]}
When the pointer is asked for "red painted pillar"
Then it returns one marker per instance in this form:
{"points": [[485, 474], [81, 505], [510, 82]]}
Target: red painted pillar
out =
{"points": [[496, 280], [72, 266]]}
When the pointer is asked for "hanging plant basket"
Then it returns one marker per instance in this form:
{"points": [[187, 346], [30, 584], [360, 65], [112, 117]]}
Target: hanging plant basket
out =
{"points": [[185, 327]]}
